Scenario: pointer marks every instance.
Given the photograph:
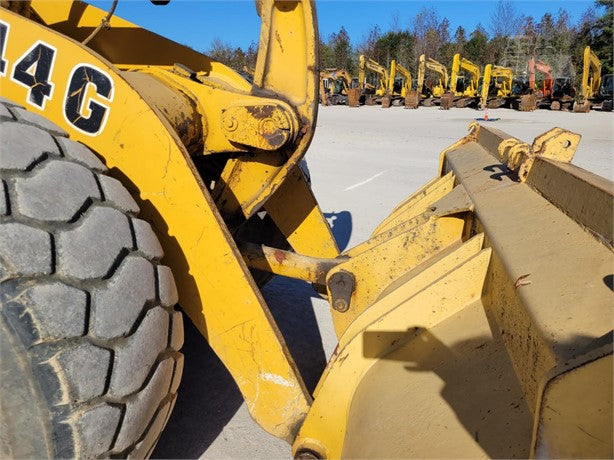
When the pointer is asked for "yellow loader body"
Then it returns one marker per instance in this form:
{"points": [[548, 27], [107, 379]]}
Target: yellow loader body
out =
{"points": [[465, 307]]}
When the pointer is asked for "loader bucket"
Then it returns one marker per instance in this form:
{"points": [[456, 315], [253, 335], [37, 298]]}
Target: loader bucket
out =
{"points": [[494, 337]]}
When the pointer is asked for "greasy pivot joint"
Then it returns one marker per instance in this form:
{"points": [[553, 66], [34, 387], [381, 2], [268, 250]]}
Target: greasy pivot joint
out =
{"points": [[263, 126], [341, 285]]}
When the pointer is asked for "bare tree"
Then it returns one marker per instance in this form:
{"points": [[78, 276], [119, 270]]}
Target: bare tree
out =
{"points": [[504, 21], [395, 21], [426, 31]]}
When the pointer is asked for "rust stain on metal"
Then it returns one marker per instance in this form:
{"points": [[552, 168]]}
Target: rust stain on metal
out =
{"points": [[275, 139], [278, 38], [280, 256], [261, 111]]}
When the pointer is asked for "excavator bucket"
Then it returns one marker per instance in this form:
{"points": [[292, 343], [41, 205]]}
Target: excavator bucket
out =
{"points": [[494, 337]]}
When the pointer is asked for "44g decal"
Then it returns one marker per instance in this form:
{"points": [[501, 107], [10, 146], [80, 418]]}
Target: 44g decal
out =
{"points": [[33, 70]]}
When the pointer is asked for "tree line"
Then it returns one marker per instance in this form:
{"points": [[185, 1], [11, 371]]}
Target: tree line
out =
{"points": [[510, 40]]}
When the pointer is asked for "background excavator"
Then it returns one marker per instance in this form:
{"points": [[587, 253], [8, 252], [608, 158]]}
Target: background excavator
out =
{"points": [[591, 92], [335, 86], [500, 87], [377, 92], [400, 81], [543, 94], [464, 88], [137, 175], [433, 86]]}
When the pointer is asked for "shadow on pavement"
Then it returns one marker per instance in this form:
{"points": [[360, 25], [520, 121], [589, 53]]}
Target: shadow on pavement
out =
{"points": [[341, 226]]}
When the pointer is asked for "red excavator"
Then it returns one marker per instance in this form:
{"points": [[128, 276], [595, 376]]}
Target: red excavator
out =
{"points": [[545, 93], [555, 92]]}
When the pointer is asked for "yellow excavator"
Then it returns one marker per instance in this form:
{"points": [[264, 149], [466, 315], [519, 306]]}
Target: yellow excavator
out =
{"points": [[501, 88], [594, 90], [335, 86], [137, 174], [400, 85], [378, 93], [464, 88], [496, 86], [431, 90]]}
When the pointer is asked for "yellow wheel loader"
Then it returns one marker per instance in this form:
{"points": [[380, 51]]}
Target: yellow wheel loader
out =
{"points": [[136, 174]]}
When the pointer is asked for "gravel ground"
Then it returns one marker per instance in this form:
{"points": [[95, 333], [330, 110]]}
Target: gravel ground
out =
{"points": [[362, 161]]}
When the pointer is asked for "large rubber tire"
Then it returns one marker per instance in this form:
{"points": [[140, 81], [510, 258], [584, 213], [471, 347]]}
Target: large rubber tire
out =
{"points": [[89, 337]]}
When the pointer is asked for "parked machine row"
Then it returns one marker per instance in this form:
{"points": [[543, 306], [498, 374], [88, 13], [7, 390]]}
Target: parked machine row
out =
{"points": [[467, 85]]}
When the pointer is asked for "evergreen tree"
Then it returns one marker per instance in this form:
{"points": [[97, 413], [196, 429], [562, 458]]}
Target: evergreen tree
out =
{"points": [[604, 35], [460, 40], [475, 49]]}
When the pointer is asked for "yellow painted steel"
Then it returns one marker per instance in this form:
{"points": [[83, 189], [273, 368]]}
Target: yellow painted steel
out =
{"points": [[417, 203], [298, 216], [287, 40], [372, 276], [527, 334], [503, 78], [198, 247], [421, 73], [485, 85], [405, 75], [407, 80], [422, 301]]}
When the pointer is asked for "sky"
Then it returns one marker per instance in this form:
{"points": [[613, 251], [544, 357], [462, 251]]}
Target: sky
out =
{"points": [[197, 23]]}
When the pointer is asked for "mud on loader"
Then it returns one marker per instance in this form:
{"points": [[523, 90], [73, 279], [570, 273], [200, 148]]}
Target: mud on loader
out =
{"points": [[475, 321]]}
